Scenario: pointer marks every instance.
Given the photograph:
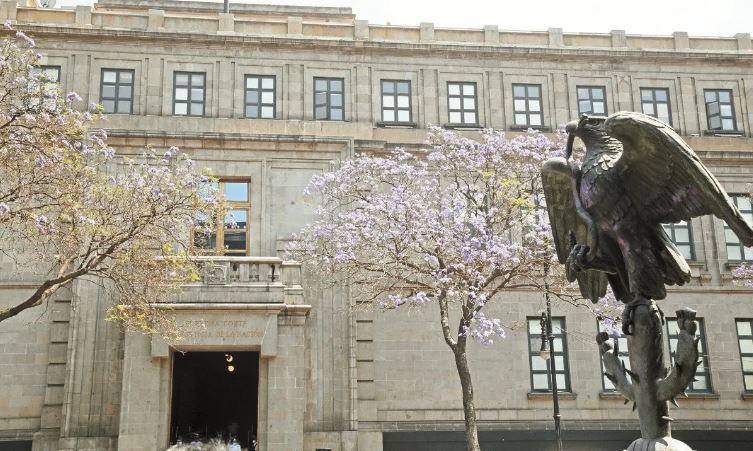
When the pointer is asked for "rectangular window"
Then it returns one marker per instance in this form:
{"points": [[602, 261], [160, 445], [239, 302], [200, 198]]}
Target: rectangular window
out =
{"points": [[461, 103], [720, 109], [540, 367], [260, 96], [231, 234], [51, 73], [116, 91], [621, 351], [527, 105], [396, 101], [655, 102], [189, 89], [681, 234], [329, 102], [703, 372], [49, 77], [592, 100], [745, 343], [735, 249]]}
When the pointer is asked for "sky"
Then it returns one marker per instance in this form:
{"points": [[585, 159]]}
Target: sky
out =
{"points": [[658, 17]]}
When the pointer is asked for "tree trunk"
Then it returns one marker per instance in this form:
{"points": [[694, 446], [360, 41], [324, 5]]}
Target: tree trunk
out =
{"points": [[469, 409]]}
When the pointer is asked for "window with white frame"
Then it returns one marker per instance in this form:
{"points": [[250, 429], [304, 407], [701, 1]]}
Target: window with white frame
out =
{"points": [[681, 234], [116, 91], [329, 101], [260, 96], [527, 109], [189, 93], [462, 105], [47, 85], [720, 109], [396, 101], [744, 329], [592, 100], [540, 367], [735, 249], [655, 102]]}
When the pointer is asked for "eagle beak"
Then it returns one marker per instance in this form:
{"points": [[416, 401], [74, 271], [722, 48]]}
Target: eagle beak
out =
{"points": [[570, 129]]}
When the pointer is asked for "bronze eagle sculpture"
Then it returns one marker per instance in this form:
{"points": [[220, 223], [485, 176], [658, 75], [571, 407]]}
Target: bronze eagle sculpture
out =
{"points": [[607, 213]]}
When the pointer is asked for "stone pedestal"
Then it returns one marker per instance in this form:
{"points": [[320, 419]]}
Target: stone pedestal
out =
{"points": [[659, 444]]}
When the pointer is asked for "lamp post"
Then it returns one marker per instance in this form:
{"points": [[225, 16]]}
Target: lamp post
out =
{"points": [[547, 348]]}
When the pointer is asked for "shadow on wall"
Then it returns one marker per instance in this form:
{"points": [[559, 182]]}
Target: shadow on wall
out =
{"points": [[15, 446], [572, 440]]}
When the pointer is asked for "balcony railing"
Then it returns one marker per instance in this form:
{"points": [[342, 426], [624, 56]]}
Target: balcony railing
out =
{"points": [[247, 280]]}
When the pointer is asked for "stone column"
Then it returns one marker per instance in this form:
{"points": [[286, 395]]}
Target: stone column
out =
{"points": [[430, 99], [146, 388], [152, 78], [561, 101], [286, 393], [362, 91], [226, 88], [293, 94], [91, 398], [687, 120]]}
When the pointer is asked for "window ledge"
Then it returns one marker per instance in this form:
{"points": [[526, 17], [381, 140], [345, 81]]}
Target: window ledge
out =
{"points": [[734, 264], [548, 395], [611, 395], [698, 395], [396, 124], [725, 133], [691, 396], [463, 126], [542, 128], [746, 396]]}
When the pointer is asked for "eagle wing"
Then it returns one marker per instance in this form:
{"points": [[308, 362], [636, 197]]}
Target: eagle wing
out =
{"points": [[558, 180], [665, 179]]}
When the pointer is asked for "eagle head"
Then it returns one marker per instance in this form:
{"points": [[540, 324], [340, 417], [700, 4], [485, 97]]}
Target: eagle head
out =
{"points": [[587, 128]]}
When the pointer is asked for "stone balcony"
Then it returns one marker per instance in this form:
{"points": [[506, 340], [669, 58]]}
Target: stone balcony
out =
{"points": [[229, 280]]}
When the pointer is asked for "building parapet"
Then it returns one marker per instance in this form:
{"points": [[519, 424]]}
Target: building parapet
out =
{"points": [[339, 24]]}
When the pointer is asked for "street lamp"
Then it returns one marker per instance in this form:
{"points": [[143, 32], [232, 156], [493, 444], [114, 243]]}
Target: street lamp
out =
{"points": [[547, 348]]}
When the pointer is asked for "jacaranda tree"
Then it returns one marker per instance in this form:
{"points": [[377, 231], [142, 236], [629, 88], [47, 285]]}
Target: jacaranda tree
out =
{"points": [[453, 226], [70, 209]]}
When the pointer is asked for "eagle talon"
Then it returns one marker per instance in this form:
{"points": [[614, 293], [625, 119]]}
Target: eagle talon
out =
{"points": [[579, 260], [627, 313]]}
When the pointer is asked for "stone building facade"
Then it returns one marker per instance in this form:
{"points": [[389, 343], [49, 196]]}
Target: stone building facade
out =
{"points": [[269, 95]]}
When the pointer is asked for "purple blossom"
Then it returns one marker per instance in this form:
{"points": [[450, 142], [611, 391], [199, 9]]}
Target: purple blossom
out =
{"points": [[21, 35], [8, 25], [42, 222], [72, 96], [446, 220], [4, 209]]}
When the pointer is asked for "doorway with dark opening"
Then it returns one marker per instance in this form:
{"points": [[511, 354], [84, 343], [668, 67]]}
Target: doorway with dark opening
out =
{"points": [[214, 395]]}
